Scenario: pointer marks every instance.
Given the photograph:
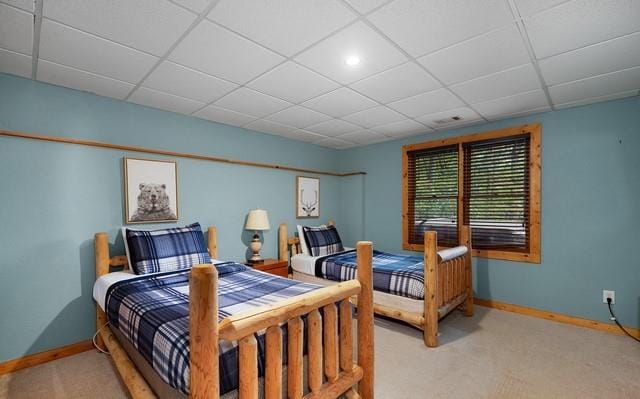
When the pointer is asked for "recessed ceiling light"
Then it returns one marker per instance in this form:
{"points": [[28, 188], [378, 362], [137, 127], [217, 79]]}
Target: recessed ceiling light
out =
{"points": [[352, 60]]}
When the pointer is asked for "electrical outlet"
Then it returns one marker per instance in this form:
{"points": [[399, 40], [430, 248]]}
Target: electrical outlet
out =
{"points": [[608, 294]]}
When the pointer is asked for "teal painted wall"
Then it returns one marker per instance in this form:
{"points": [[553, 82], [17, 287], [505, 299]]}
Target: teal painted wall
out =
{"points": [[590, 211], [56, 196]]}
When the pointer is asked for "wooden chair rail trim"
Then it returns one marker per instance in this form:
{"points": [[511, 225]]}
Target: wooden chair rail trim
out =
{"points": [[100, 144], [238, 326]]}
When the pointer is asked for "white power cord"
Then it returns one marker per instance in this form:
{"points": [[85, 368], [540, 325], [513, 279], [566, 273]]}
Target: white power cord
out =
{"points": [[94, 341]]}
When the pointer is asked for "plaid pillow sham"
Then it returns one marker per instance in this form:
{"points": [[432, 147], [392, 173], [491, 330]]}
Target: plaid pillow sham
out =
{"points": [[166, 249], [323, 240]]}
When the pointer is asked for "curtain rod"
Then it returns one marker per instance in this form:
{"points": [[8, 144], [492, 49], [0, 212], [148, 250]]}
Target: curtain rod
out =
{"points": [[100, 144]]}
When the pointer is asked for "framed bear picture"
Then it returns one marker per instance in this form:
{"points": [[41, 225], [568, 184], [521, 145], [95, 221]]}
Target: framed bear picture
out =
{"points": [[151, 190]]}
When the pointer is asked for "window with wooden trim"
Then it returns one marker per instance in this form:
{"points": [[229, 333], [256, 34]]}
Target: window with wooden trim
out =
{"points": [[489, 181]]}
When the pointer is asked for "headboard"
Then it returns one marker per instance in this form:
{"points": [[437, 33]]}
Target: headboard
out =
{"points": [[104, 261], [290, 246]]}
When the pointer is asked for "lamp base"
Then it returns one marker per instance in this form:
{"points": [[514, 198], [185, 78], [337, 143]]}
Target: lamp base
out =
{"points": [[255, 246]]}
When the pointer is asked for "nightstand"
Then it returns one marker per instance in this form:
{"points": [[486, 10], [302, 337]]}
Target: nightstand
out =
{"points": [[272, 266]]}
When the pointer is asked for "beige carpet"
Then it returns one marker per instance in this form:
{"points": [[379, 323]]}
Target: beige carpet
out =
{"points": [[491, 355]]}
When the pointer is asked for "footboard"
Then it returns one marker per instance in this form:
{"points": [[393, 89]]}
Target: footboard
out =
{"points": [[331, 369], [448, 281]]}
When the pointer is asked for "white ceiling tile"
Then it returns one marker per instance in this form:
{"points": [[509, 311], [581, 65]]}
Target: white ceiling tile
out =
{"points": [[251, 102], [335, 143], [592, 100], [364, 137], [286, 26], [530, 7], [364, 6], [166, 101], [421, 27], [300, 135], [16, 30], [609, 56], [597, 86], [26, 5], [262, 125], [299, 117], [181, 81], [441, 120], [340, 102], [400, 82], [148, 25], [292, 82], [489, 53], [71, 47], [196, 6], [546, 108], [222, 115], [427, 103], [219, 52], [15, 63], [401, 129], [524, 102], [374, 117], [76, 79], [328, 57], [506, 83], [579, 23], [333, 127]]}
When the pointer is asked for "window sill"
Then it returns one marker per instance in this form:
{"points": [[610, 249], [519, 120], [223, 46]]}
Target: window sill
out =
{"points": [[488, 254]]}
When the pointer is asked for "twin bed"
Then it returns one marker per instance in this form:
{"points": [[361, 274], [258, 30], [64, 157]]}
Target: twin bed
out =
{"points": [[189, 325], [206, 331], [401, 290]]}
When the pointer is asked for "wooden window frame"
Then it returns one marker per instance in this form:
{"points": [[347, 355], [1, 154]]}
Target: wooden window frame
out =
{"points": [[535, 133]]}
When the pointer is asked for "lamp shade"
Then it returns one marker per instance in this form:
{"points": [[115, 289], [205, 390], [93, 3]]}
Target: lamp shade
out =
{"points": [[257, 220]]}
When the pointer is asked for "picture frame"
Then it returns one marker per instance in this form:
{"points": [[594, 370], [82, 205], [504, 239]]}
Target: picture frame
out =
{"points": [[307, 197], [151, 190]]}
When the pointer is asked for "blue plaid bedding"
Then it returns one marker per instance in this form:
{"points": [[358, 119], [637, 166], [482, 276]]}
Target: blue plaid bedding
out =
{"points": [[152, 312], [166, 250], [396, 274]]}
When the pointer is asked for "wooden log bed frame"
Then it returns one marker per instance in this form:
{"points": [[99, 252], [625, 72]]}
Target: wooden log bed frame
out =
{"points": [[448, 283], [331, 371]]}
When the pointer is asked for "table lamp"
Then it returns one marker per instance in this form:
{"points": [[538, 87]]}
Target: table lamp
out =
{"points": [[257, 220]]}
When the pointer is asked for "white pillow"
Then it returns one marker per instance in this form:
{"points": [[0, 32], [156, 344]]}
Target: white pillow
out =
{"points": [[303, 243], [126, 245]]}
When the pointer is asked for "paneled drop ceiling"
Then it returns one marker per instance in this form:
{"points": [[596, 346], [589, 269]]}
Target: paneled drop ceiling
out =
{"points": [[280, 66]]}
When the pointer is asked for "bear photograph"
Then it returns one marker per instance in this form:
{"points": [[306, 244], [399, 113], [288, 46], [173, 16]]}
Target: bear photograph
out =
{"points": [[151, 191]]}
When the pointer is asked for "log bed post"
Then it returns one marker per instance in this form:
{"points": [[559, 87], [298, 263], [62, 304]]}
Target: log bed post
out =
{"points": [[365, 319], [430, 331], [212, 242], [101, 244], [465, 239], [283, 251], [203, 332]]}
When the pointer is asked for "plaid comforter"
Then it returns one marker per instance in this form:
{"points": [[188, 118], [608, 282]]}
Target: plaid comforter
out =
{"points": [[152, 312], [396, 274]]}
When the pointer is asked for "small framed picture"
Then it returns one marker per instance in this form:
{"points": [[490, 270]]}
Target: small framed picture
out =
{"points": [[307, 197], [151, 191]]}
